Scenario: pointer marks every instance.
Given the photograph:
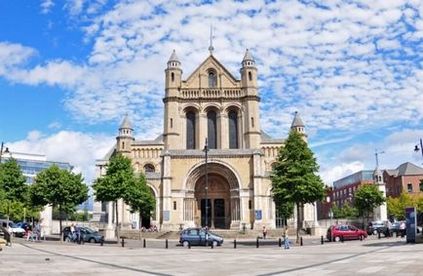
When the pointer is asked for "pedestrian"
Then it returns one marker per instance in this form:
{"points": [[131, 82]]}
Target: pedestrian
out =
{"points": [[264, 232], [72, 232], [285, 238], [37, 230]]}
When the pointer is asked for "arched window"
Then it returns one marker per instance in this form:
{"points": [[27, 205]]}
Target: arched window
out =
{"points": [[172, 76], [211, 130], [212, 79], [190, 130], [250, 77], [233, 129], [149, 168]]}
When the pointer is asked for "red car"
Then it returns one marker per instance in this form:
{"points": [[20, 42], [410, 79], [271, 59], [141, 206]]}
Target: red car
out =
{"points": [[347, 232]]}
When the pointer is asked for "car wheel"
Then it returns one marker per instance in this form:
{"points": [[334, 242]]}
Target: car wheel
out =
{"points": [[67, 239], [215, 243], [185, 244], [375, 232], [91, 240], [337, 238]]}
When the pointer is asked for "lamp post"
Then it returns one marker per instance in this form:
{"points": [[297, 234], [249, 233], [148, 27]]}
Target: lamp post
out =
{"points": [[417, 148], [206, 150], [7, 200]]}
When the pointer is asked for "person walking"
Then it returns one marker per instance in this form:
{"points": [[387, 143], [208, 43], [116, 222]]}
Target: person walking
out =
{"points": [[264, 232], [285, 238]]}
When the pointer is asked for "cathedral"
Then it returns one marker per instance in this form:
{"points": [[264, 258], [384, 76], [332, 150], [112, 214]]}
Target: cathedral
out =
{"points": [[211, 165]]}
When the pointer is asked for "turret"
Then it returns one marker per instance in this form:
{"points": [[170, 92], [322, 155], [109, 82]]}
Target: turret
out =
{"points": [[125, 138], [298, 125], [249, 72], [173, 75]]}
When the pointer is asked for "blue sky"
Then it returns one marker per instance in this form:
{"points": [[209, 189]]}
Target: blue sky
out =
{"points": [[70, 69]]}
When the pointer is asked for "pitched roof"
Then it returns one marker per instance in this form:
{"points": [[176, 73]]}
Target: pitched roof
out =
{"points": [[248, 56], [212, 59], [406, 169], [297, 122]]}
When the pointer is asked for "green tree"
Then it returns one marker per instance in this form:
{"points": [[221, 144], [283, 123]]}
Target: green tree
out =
{"points": [[59, 188], [396, 205], [114, 184], [366, 198], [140, 198], [346, 211], [13, 187], [294, 176], [285, 209]]}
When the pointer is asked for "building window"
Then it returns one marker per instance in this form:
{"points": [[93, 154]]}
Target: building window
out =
{"points": [[149, 168], [172, 76], [250, 204], [212, 79], [211, 130], [233, 129], [174, 205], [171, 123], [421, 186], [410, 187], [252, 121], [250, 77], [190, 130]]}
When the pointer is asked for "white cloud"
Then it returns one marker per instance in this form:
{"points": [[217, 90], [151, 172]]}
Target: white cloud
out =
{"points": [[79, 149], [46, 6], [337, 172]]}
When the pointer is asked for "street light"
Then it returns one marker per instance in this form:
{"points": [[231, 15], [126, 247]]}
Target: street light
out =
{"points": [[417, 149], [206, 150]]}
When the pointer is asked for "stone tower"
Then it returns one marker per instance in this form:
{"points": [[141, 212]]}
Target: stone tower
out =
{"points": [[380, 213], [249, 84], [172, 124], [125, 138], [298, 125]]}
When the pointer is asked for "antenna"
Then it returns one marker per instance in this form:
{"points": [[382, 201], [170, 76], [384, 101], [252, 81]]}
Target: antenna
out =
{"points": [[377, 157], [211, 48]]}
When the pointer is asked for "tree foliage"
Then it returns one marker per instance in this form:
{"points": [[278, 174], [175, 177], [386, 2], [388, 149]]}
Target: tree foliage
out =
{"points": [[346, 211], [59, 188], [294, 176], [366, 198], [396, 205], [12, 181], [140, 198]]}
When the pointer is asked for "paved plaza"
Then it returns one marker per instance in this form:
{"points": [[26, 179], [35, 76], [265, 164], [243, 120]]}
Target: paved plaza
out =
{"points": [[370, 257]]}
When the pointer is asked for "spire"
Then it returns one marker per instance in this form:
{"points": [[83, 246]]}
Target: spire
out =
{"points": [[126, 123], [248, 60], [174, 57], [211, 48], [297, 122]]}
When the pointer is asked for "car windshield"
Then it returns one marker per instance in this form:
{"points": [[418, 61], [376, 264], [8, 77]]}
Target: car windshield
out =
{"points": [[89, 230]]}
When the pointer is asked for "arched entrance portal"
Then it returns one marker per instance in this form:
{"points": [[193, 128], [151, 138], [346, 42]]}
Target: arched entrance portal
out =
{"points": [[223, 199], [218, 202]]}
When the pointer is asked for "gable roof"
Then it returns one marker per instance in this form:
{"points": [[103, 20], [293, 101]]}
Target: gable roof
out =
{"points": [[406, 169], [211, 59]]}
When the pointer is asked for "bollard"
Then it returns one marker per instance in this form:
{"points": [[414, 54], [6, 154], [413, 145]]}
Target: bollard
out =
{"points": [[321, 240], [280, 242], [212, 245], [342, 238], [189, 245], [234, 243], [301, 241], [143, 244], [101, 242], [378, 234], [257, 242], [361, 237], [123, 242], [167, 244]]}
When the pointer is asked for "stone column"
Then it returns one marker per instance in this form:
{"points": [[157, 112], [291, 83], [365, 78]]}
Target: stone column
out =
{"points": [[167, 193]]}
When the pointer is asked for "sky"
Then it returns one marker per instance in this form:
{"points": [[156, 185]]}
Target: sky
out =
{"points": [[71, 69]]}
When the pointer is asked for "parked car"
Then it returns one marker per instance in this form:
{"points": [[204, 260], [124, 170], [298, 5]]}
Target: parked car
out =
{"points": [[376, 227], [13, 228], [199, 236], [87, 234], [346, 232], [24, 225]]}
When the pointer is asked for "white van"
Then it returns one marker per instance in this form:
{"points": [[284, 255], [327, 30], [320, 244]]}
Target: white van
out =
{"points": [[12, 228]]}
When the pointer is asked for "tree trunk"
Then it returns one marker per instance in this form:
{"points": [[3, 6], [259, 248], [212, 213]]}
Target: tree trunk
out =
{"points": [[117, 221], [298, 223], [60, 222]]}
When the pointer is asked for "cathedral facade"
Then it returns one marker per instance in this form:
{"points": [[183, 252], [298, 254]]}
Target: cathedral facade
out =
{"points": [[211, 166]]}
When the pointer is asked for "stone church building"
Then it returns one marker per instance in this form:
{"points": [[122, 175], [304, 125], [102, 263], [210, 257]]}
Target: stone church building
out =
{"points": [[210, 106]]}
